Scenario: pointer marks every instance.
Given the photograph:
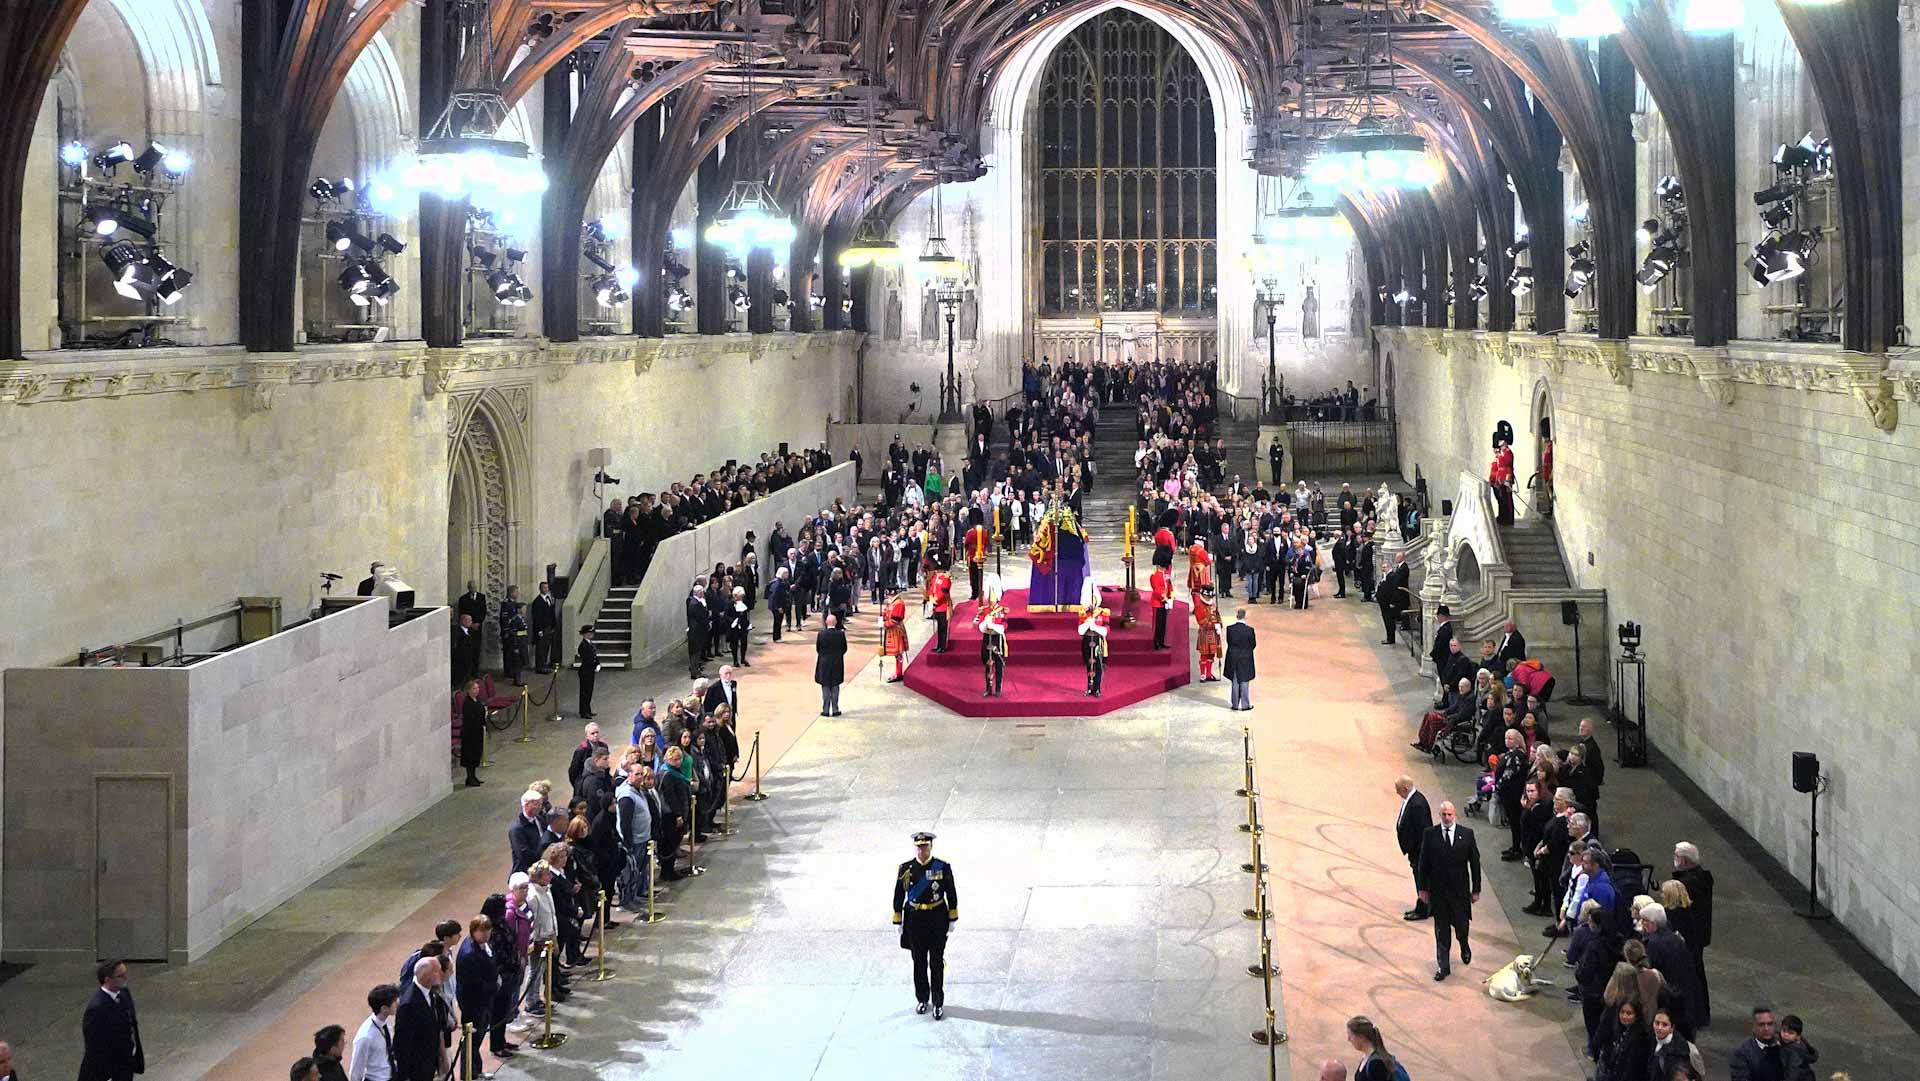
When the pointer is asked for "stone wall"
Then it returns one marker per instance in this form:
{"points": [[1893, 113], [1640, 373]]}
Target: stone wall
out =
{"points": [[160, 484], [1744, 507]]}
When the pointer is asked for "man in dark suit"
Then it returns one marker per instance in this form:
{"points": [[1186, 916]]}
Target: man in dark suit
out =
{"points": [[473, 603], [1342, 563], [724, 691], [417, 1050], [1441, 648], [465, 651], [1449, 876], [1363, 568], [586, 660], [1410, 829], [544, 619], [1393, 598], [1239, 666], [1512, 646], [1596, 765], [524, 837], [110, 1029], [829, 665], [372, 579], [1699, 883], [699, 621]]}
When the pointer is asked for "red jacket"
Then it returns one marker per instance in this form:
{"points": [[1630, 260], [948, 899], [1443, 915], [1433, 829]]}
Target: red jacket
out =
{"points": [[1531, 675], [940, 588], [1162, 584]]}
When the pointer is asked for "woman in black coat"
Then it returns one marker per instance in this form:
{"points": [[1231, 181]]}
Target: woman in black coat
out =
{"points": [[473, 733], [1626, 1045], [505, 948]]}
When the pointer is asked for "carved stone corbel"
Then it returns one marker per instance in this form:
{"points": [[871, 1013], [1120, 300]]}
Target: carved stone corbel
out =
{"points": [[263, 379], [1715, 374], [440, 366], [1442, 341], [1867, 375], [1613, 356]]}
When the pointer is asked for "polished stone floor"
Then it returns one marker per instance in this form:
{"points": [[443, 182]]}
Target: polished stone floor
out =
{"points": [[1100, 900]]}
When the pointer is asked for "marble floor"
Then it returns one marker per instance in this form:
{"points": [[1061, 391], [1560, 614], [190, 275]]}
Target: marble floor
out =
{"points": [[1098, 864]]}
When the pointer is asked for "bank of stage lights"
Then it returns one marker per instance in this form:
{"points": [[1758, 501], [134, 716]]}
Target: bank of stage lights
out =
{"points": [[1786, 250], [125, 226], [1520, 278], [504, 283], [364, 280]]}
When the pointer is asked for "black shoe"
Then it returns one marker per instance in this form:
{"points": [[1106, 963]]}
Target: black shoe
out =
{"points": [[1439, 974], [836, 713], [1388, 642], [1511, 856], [1416, 914], [1550, 930], [586, 716], [1466, 955], [1534, 910], [922, 1008], [474, 782], [939, 1013]]}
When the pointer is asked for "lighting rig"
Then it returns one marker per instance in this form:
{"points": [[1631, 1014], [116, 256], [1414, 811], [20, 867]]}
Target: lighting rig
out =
{"points": [[121, 216], [610, 285], [350, 233], [493, 275], [1802, 173]]}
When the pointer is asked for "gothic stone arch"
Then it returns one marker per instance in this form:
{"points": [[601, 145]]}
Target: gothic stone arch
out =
{"points": [[488, 495]]}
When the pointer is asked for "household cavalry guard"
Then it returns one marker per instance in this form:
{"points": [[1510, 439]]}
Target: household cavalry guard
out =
{"points": [[940, 592], [991, 619], [979, 543], [1094, 621], [893, 636], [925, 905]]}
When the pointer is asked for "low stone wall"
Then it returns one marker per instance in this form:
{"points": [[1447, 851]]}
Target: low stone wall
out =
{"points": [[659, 608]]}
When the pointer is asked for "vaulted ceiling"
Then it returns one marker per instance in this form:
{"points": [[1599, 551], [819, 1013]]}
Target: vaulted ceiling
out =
{"points": [[1497, 103]]}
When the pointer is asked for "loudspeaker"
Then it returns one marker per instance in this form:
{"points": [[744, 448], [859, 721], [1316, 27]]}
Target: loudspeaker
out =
{"points": [[1806, 771], [783, 448], [1569, 613], [599, 457], [1446, 508]]}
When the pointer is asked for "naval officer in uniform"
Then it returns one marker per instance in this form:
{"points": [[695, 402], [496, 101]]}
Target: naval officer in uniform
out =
{"points": [[925, 905]]}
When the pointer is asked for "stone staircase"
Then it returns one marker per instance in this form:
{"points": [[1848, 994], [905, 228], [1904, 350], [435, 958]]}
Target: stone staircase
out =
{"points": [[613, 628], [1106, 503], [1532, 548], [1242, 437]]}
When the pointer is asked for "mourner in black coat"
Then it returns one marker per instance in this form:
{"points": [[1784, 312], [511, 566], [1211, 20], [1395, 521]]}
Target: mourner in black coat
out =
{"points": [[1449, 878], [110, 1030], [1393, 599], [476, 981], [829, 666], [1410, 829], [416, 1034], [1239, 664], [473, 735]]}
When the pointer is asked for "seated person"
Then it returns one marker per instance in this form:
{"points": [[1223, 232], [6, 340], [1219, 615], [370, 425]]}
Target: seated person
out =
{"points": [[1458, 709]]}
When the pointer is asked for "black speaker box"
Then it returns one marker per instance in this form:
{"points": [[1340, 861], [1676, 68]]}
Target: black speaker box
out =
{"points": [[1446, 508], [1569, 613], [1806, 771]]}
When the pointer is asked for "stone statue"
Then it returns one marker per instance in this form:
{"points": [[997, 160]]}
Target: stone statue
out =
{"points": [[893, 315], [929, 315], [1357, 315], [970, 317], [1310, 314], [1386, 509]]}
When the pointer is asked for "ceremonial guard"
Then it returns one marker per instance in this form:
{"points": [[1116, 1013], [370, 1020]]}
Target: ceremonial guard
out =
{"points": [[893, 636], [940, 591], [1206, 620], [1199, 567], [991, 619], [978, 545], [1094, 621], [513, 635], [1163, 546], [925, 906], [1162, 586]]}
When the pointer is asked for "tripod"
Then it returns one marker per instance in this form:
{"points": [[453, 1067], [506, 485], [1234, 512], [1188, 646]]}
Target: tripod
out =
{"points": [[1814, 911]]}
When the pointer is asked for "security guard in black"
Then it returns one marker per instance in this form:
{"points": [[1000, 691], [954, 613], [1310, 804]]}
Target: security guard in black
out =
{"points": [[925, 904]]}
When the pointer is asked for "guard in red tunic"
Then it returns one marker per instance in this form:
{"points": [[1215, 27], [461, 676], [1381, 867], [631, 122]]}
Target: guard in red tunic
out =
{"points": [[1500, 475], [1162, 585], [1163, 547], [940, 591], [978, 545], [1199, 568], [1206, 620], [893, 636], [1094, 622]]}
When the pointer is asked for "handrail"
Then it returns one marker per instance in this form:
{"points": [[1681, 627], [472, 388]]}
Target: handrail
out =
{"points": [[586, 591]]}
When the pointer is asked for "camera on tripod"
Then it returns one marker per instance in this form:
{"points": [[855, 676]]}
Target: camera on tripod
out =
{"points": [[1630, 638]]}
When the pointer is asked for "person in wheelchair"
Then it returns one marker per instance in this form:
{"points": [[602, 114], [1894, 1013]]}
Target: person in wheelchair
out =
{"points": [[1457, 710]]}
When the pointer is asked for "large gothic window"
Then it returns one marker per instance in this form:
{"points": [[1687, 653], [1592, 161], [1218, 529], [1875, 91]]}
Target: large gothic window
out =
{"points": [[1126, 173]]}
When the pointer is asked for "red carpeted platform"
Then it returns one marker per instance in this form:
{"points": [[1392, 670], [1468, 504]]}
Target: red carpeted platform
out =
{"points": [[1044, 675]]}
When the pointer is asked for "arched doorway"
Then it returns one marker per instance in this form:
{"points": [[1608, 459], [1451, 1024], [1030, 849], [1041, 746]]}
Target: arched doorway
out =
{"points": [[486, 496], [1540, 420], [1386, 382]]}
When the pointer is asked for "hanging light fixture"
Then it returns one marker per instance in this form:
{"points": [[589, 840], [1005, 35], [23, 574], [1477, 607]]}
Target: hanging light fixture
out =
{"points": [[749, 217], [937, 263], [871, 246], [1371, 156], [463, 155]]}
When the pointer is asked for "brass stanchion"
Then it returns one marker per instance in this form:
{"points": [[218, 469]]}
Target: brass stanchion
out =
{"points": [[726, 816], [653, 879], [1268, 1036], [553, 693], [603, 975], [548, 1039], [1258, 913], [526, 720], [757, 794], [466, 1051], [1256, 867], [1266, 966], [693, 838], [1246, 753], [1252, 824]]}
